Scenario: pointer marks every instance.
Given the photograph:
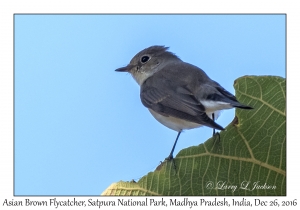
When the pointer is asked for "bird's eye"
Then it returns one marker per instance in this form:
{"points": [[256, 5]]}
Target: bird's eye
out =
{"points": [[145, 58]]}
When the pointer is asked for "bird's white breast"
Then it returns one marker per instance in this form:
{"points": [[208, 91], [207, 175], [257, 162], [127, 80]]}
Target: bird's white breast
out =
{"points": [[176, 123]]}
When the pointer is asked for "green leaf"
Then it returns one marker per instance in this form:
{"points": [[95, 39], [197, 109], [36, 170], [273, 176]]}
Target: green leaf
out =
{"points": [[248, 158]]}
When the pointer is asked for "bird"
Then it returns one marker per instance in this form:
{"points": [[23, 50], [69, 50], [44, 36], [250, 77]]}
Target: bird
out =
{"points": [[179, 95]]}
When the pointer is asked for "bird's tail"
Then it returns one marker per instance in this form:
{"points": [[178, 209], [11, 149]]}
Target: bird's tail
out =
{"points": [[228, 97], [241, 106]]}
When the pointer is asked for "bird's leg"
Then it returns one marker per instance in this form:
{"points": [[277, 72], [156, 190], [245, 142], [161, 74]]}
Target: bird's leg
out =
{"points": [[214, 130], [213, 118], [170, 157]]}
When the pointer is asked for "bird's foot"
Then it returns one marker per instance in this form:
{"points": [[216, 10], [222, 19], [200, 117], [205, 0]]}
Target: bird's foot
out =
{"points": [[170, 158], [216, 136]]}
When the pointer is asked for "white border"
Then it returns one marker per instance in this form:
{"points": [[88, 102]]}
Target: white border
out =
{"points": [[9, 8]]}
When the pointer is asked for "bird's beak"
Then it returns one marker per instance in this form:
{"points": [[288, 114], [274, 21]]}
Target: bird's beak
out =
{"points": [[123, 69]]}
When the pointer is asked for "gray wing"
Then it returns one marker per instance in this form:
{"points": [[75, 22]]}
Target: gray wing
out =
{"points": [[195, 79], [164, 97]]}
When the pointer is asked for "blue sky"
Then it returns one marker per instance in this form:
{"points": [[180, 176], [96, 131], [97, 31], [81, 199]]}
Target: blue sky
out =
{"points": [[80, 126]]}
